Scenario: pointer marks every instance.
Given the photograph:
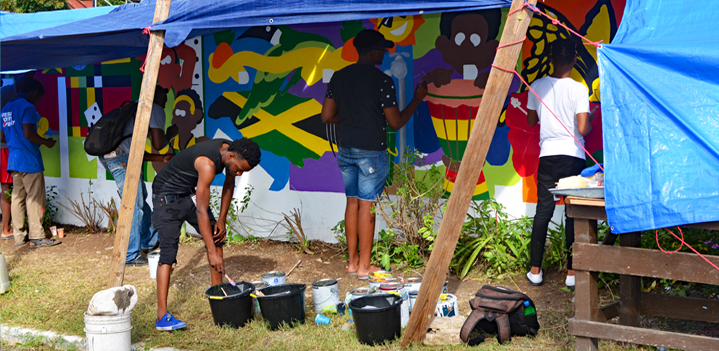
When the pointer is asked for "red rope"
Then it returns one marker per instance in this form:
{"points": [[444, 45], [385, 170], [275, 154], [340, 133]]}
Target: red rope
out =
{"points": [[555, 22], [512, 43], [555, 116], [689, 246], [656, 234], [146, 30]]}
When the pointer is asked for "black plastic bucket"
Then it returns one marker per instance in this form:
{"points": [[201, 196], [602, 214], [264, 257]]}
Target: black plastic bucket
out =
{"points": [[233, 310], [379, 323], [283, 304]]}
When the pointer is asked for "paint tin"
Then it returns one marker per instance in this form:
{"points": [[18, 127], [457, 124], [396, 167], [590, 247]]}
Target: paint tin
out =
{"points": [[325, 292], [412, 283], [357, 293], [445, 290], [412, 298], [446, 306], [275, 278], [380, 274], [256, 305], [376, 282], [397, 289]]}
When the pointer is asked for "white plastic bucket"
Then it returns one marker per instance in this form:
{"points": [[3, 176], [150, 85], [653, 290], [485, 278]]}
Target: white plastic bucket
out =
{"points": [[4, 279], [153, 260], [108, 333]]}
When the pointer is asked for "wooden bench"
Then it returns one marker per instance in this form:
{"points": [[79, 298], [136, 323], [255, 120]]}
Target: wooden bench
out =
{"points": [[632, 262]]}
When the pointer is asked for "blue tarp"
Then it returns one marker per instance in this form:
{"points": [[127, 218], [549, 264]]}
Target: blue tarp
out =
{"points": [[118, 34], [18, 23], [660, 115]]}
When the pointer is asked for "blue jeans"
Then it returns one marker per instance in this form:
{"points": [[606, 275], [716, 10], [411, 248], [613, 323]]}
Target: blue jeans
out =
{"points": [[142, 234], [364, 172]]}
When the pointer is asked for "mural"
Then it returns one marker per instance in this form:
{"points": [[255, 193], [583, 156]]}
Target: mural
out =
{"points": [[268, 83]]}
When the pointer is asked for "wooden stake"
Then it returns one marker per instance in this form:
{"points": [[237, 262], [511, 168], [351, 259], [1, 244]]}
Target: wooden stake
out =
{"points": [[137, 150], [495, 94]]}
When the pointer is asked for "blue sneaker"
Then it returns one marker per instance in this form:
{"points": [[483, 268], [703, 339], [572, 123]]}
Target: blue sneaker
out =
{"points": [[168, 322]]}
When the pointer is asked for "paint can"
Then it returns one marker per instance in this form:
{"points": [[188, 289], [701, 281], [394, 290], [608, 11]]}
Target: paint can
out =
{"points": [[379, 274], [325, 292], [397, 289], [445, 290], [446, 306], [378, 281], [412, 283], [357, 293], [412, 298], [255, 304], [275, 278]]}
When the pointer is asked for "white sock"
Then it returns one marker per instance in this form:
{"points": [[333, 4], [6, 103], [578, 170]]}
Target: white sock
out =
{"points": [[535, 278], [569, 281]]}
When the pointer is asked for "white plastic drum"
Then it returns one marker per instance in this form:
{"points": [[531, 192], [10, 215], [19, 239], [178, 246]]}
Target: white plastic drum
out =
{"points": [[325, 292]]}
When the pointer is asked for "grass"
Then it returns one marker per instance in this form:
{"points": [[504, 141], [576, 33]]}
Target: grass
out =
{"points": [[51, 294]]}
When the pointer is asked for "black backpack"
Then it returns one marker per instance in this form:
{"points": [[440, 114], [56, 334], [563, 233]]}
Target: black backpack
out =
{"points": [[106, 135], [498, 310]]}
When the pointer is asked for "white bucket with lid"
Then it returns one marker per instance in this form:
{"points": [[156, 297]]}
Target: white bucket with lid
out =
{"points": [[108, 333], [325, 292]]}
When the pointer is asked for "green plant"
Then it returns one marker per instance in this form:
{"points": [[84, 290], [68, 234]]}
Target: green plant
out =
{"points": [[491, 239], [236, 232], [87, 212], [50, 206], [341, 236], [556, 252]]}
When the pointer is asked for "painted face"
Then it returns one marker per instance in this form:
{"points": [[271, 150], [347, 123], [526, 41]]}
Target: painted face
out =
{"points": [[182, 117], [237, 166], [468, 46]]}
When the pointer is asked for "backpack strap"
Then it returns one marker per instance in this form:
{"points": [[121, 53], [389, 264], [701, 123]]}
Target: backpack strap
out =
{"points": [[469, 325], [504, 332]]}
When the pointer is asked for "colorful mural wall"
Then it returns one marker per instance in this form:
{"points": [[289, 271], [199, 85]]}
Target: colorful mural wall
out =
{"points": [[268, 83]]}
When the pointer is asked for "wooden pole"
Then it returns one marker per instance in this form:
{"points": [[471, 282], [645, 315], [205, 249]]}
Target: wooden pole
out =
{"points": [[495, 94], [137, 150]]}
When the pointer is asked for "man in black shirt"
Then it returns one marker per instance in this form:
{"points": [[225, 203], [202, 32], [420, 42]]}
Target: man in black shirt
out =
{"points": [[195, 167], [361, 100]]}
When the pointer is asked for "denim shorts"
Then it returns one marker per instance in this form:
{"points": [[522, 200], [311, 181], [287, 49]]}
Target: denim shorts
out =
{"points": [[364, 172]]}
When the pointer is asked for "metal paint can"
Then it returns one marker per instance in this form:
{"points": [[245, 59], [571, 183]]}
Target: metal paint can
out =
{"points": [[275, 278], [376, 282], [325, 292], [255, 304], [445, 290], [446, 306], [397, 289], [412, 298], [357, 293], [412, 283], [379, 274]]}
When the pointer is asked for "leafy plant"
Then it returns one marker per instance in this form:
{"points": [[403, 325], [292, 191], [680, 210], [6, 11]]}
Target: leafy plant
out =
{"points": [[50, 206], [341, 236], [87, 212], [235, 229]]}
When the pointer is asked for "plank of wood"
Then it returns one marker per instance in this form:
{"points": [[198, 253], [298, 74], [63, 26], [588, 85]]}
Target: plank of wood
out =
{"points": [[586, 293], [680, 307], [588, 212], [584, 201], [634, 335], [495, 94], [645, 263], [137, 149], [609, 311], [630, 287]]}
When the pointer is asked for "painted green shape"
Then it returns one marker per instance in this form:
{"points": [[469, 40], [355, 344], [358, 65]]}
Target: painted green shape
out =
{"points": [[51, 159], [504, 175], [598, 155], [451, 147], [226, 36], [80, 167], [109, 176], [283, 146], [350, 29], [148, 172], [505, 11], [426, 35], [82, 82], [88, 70], [168, 108], [82, 104]]}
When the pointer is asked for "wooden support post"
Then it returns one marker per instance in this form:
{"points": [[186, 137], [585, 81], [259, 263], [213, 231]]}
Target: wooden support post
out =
{"points": [[495, 94], [630, 288], [586, 293], [137, 150]]}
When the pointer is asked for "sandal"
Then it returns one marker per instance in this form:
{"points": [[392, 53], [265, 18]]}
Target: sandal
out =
{"points": [[7, 237], [35, 243]]}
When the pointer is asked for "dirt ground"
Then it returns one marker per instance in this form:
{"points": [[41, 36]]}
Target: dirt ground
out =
{"points": [[87, 257]]}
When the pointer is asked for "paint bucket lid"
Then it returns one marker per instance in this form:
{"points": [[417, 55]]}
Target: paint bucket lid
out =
{"points": [[412, 280], [273, 274], [324, 282], [361, 291], [383, 280], [391, 286], [260, 284], [380, 274]]}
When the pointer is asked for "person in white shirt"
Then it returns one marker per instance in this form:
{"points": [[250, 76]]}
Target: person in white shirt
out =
{"points": [[561, 155]]}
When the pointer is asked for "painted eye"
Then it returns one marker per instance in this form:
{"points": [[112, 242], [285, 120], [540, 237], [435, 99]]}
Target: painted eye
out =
{"points": [[179, 112], [459, 38], [475, 39]]}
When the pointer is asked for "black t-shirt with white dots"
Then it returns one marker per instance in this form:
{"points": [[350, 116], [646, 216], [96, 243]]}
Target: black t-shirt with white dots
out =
{"points": [[361, 92]]}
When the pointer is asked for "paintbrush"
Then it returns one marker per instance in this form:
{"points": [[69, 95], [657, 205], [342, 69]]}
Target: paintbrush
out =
{"points": [[232, 282]]}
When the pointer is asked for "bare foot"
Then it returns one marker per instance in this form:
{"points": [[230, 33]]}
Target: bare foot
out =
{"points": [[368, 270], [6, 235], [352, 267]]}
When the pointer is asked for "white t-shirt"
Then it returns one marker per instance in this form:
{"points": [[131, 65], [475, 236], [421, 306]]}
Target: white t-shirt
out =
{"points": [[566, 98], [157, 121]]}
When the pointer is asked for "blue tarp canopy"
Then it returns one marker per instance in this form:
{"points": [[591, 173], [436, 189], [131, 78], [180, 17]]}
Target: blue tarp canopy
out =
{"points": [[18, 23], [660, 115], [118, 34]]}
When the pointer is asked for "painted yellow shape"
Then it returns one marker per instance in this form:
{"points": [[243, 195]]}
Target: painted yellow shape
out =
{"points": [[312, 60], [283, 123], [479, 189], [456, 129], [74, 82], [43, 125], [76, 132], [90, 96], [125, 60]]}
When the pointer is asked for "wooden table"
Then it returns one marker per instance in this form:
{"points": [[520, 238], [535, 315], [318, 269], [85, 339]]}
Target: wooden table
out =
{"points": [[632, 262]]}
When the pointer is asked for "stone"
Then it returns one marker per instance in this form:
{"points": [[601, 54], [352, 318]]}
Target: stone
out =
{"points": [[445, 331]]}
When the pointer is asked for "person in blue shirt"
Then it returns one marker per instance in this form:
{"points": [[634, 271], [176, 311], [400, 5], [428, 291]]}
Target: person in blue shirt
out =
{"points": [[19, 125]]}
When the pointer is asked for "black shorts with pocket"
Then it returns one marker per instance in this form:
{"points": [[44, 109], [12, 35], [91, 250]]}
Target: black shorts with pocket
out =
{"points": [[168, 214]]}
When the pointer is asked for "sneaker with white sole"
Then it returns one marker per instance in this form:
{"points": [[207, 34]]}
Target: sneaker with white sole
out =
{"points": [[169, 322], [569, 282], [535, 279]]}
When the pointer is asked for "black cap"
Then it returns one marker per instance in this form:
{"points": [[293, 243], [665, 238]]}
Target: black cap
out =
{"points": [[368, 40]]}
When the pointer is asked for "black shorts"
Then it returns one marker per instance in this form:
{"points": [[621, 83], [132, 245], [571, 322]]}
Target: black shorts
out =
{"points": [[168, 214]]}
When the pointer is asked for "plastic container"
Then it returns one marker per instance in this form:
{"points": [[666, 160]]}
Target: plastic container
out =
{"points": [[256, 305], [108, 333], [235, 309], [529, 309], [325, 292], [153, 260], [377, 318], [398, 289], [283, 304], [357, 293], [4, 279], [446, 306]]}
